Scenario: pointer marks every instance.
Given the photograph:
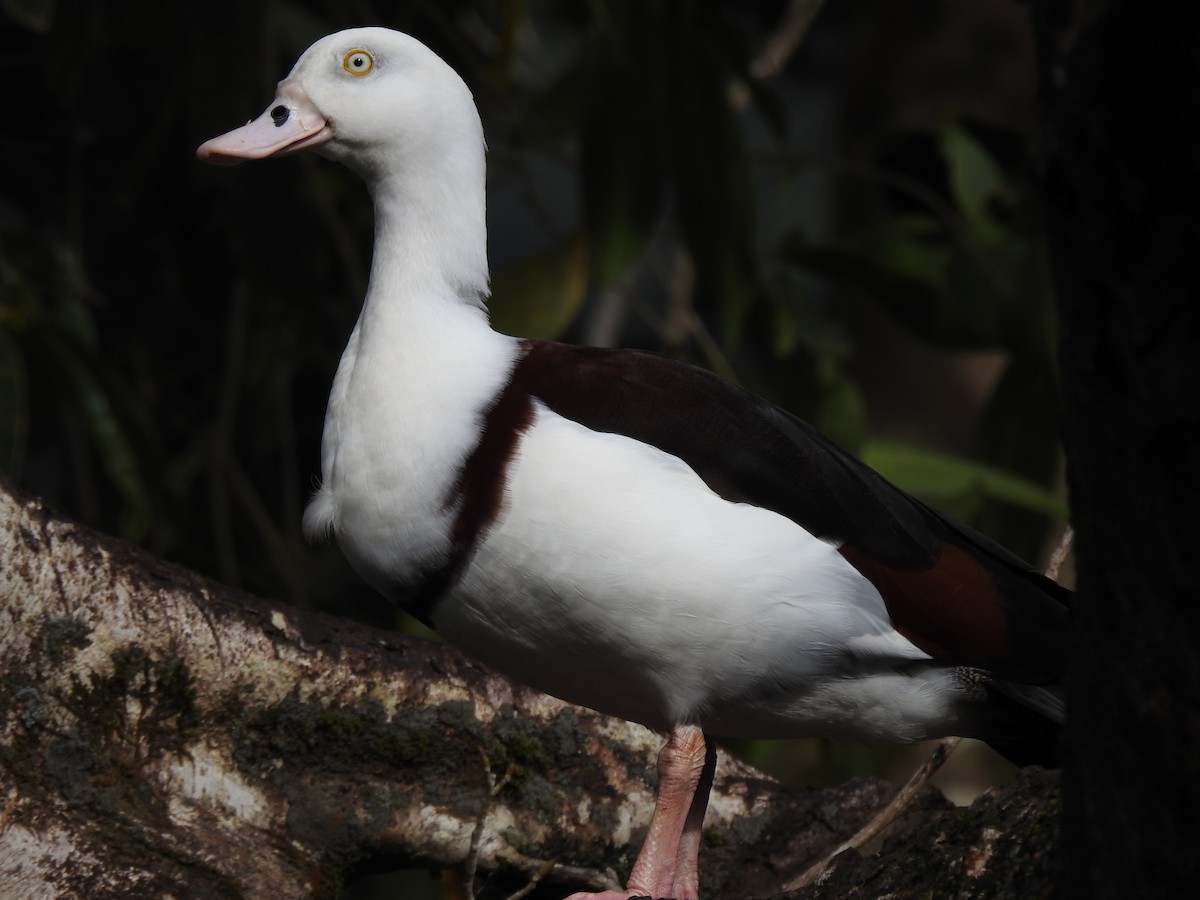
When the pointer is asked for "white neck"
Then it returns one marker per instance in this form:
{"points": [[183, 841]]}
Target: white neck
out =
{"points": [[431, 232], [421, 367]]}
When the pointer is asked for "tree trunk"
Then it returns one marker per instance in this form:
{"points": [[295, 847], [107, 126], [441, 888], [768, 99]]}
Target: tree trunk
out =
{"points": [[1121, 82], [163, 735]]}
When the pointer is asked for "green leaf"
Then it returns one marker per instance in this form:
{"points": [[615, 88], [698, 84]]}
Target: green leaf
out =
{"points": [[949, 479], [842, 409], [910, 246], [976, 179], [540, 296]]}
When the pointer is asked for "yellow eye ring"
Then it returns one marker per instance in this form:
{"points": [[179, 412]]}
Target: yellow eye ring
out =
{"points": [[358, 62]]}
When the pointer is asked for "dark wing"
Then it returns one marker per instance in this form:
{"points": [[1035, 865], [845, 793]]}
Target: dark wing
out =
{"points": [[954, 593]]}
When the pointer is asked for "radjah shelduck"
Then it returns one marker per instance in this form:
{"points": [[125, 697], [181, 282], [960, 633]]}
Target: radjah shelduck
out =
{"points": [[621, 530]]}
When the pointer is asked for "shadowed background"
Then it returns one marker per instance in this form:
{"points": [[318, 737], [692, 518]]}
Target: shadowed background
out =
{"points": [[850, 231]]}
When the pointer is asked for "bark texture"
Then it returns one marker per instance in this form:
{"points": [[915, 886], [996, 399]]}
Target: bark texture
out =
{"points": [[1122, 89], [164, 736]]}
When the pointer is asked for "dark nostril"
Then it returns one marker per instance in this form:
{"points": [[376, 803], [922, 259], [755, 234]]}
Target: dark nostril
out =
{"points": [[280, 114]]}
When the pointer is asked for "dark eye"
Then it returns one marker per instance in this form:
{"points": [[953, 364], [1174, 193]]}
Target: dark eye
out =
{"points": [[358, 62], [280, 114]]}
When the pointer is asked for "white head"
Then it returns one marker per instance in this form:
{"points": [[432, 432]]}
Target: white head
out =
{"points": [[368, 97], [389, 108]]}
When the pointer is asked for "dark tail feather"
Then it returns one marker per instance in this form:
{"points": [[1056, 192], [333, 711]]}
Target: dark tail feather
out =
{"points": [[1021, 724]]}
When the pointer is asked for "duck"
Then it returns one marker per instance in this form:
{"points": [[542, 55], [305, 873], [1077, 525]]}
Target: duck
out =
{"points": [[621, 530]]}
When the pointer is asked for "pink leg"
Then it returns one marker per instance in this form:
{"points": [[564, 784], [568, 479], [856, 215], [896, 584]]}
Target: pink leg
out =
{"points": [[666, 866], [686, 884]]}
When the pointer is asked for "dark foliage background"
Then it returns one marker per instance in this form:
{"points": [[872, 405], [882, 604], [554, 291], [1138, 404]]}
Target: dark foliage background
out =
{"points": [[855, 237]]}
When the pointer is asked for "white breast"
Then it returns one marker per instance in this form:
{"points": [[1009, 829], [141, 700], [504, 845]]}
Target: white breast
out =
{"points": [[403, 415]]}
